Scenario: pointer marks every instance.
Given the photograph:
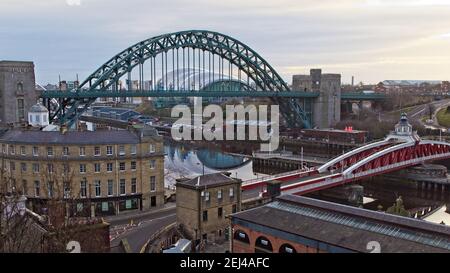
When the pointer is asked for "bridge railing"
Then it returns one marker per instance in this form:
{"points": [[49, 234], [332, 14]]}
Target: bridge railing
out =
{"points": [[310, 186], [276, 176]]}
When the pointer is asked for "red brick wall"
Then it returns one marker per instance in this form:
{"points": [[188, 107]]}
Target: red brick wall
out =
{"points": [[240, 247]]}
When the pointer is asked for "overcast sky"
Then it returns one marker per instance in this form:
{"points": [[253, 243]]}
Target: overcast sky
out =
{"points": [[373, 40]]}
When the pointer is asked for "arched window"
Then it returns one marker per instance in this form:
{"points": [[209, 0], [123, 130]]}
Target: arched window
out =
{"points": [[20, 87], [287, 248], [263, 245], [241, 236]]}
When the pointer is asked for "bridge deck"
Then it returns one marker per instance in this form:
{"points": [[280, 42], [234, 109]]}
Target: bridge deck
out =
{"points": [[306, 179], [101, 93]]}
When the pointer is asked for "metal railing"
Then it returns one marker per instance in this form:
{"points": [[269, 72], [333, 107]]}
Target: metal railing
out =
{"points": [[276, 176]]}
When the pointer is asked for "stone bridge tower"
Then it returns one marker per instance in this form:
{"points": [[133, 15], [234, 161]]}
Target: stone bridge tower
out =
{"points": [[327, 107]]}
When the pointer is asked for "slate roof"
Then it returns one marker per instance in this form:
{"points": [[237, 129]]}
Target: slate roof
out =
{"points": [[348, 227], [70, 137], [208, 181]]}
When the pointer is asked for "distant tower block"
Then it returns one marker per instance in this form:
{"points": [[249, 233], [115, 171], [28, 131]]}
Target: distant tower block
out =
{"points": [[327, 107], [17, 91]]}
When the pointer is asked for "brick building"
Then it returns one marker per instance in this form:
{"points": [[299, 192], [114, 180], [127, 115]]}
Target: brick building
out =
{"points": [[294, 224], [17, 91], [203, 203], [100, 172]]}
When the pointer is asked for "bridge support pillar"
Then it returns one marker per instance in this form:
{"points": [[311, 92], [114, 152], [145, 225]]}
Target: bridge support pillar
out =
{"points": [[327, 107], [356, 195]]}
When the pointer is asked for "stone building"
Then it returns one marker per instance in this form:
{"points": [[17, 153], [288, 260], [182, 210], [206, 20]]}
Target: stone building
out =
{"points": [[327, 107], [203, 203], [17, 91], [100, 172]]}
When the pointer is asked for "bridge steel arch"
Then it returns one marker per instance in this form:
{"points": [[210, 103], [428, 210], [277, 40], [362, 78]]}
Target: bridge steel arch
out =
{"points": [[354, 156], [237, 53]]}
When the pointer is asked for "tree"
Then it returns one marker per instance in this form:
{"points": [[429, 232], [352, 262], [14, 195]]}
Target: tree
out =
{"points": [[430, 110], [22, 230]]}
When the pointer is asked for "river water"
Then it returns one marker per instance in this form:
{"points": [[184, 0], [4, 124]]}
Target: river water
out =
{"points": [[189, 162], [183, 161]]}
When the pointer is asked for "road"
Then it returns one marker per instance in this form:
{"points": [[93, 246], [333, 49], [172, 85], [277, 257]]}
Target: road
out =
{"points": [[417, 112], [144, 225]]}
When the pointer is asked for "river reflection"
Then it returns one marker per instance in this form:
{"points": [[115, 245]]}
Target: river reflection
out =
{"points": [[184, 161]]}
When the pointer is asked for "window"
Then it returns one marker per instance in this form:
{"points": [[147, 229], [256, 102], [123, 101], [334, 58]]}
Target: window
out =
{"points": [[50, 168], [22, 150], [83, 189], [96, 151], [82, 168], [109, 167], [206, 194], [66, 168], [23, 167], [231, 192], [133, 149], [152, 183], [241, 236], [110, 187], [109, 150], [35, 151], [121, 150], [82, 151], [152, 164], [37, 188], [19, 87], [12, 166], [205, 216], [234, 209], [219, 212], [36, 167], [20, 109], [66, 190], [122, 166], [287, 248], [97, 167], [263, 245], [219, 194], [98, 189], [4, 148], [65, 151], [122, 186], [133, 185], [50, 189], [133, 165], [13, 149], [152, 148], [50, 151]]}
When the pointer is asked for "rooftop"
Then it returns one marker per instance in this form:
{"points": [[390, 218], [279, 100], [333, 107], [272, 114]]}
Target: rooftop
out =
{"points": [[69, 138], [348, 227], [208, 181]]}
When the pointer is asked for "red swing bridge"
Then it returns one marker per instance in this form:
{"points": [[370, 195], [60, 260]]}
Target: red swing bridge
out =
{"points": [[400, 149]]}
